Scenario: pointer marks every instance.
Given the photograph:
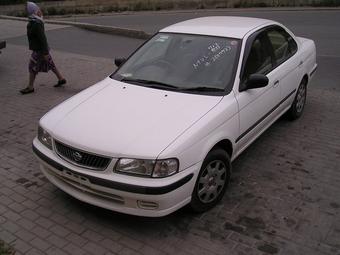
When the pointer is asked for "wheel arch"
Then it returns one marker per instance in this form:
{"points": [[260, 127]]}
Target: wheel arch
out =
{"points": [[225, 145], [305, 78]]}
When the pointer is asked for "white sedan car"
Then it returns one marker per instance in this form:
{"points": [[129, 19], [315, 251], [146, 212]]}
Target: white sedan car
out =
{"points": [[162, 130]]}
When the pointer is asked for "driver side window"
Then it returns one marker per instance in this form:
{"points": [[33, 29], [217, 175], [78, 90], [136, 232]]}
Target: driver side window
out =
{"points": [[259, 59]]}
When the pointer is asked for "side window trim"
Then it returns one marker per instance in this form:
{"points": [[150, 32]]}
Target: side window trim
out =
{"points": [[247, 50]]}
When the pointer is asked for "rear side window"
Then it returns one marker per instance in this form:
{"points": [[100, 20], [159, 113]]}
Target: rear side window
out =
{"points": [[283, 44]]}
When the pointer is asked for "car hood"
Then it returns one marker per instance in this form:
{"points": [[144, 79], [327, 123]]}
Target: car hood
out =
{"points": [[123, 120]]}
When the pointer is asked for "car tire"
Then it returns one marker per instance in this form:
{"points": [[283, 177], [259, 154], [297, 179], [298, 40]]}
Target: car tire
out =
{"points": [[299, 102], [212, 181]]}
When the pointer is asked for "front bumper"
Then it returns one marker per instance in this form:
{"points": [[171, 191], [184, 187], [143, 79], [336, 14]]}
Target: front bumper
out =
{"points": [[150, 197]]}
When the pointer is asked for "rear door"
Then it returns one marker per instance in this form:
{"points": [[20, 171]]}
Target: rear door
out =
{"points": [[287, 61]]}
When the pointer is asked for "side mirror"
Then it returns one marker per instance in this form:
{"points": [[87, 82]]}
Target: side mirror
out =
{"points": [[256, 81], [119, 61]]}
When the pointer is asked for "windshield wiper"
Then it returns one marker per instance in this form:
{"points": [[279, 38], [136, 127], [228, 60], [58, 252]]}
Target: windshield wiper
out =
{"points": [[150, 83], [162, 85], [208, 89]]}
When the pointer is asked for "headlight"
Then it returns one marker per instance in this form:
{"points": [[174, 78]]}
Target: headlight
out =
{"points": [[145, 167], [44, 138], [165, 167], [135, 166]]}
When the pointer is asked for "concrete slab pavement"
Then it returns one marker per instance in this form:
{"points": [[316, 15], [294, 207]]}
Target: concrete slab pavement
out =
{"points": [[19, 116]]}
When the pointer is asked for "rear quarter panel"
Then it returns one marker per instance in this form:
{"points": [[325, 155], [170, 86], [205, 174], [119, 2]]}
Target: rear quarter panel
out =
{"points": [[307, 52]]}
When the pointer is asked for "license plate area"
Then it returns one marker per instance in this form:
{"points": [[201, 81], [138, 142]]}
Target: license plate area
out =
{"points": [[81, 180]]}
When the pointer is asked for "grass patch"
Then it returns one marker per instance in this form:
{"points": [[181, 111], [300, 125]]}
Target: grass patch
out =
{"points": [[5, 249], [326, 3], [8, 2], [248, 4]]}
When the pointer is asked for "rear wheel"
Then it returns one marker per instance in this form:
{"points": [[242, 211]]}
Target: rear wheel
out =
{"points": [[299, 102], [212, 181]]}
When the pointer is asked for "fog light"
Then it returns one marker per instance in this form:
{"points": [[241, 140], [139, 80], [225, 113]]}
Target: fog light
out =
{"points": [[147, 205]]}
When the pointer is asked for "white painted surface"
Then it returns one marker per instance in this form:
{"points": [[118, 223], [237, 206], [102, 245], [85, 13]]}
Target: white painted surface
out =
{"points": [[233, 27], [124, 120]]}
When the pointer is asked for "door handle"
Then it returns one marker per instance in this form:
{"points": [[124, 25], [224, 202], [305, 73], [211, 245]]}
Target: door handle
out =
{"points": [[276, 83], [300, 64]]}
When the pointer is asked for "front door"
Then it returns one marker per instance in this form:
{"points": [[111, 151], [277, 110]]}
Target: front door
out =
{"points": [[256, 105]]}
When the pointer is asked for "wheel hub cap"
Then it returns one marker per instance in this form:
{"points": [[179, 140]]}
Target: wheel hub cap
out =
{"points": [[300, 100], [212, 181]]}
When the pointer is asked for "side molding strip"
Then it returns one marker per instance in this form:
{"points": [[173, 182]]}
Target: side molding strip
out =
{"points": [[265, 116]]}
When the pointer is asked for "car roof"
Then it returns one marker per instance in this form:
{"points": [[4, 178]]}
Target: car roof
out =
{"points": [[226, 26]]}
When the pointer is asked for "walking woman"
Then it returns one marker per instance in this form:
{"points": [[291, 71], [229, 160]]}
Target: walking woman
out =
{"points": [[41, 60]]}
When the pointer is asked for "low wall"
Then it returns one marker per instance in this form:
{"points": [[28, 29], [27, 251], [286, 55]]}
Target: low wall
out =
{"points": [[91, 6]]}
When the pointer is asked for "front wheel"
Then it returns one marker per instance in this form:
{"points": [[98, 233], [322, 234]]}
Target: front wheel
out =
{"points": [[212, 181], [299, 102]]}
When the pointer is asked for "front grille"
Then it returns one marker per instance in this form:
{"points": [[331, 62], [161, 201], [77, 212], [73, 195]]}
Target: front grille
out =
{"points": [[81, 158]]}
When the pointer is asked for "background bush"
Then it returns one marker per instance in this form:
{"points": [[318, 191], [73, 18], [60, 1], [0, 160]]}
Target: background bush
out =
{"points": [[62, 7], [7, 2]]}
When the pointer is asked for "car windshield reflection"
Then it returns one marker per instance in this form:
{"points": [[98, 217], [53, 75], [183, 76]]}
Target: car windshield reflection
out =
{"points": [[182, 62]]}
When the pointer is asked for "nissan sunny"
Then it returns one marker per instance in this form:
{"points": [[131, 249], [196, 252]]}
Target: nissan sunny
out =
{"points": [[162, 130]]}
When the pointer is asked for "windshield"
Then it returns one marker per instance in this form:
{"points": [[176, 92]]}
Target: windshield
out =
{"points": [[182, 62]]}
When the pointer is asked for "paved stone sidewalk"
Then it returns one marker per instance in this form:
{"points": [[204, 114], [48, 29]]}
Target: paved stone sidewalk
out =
{"points": [[284, 197]]}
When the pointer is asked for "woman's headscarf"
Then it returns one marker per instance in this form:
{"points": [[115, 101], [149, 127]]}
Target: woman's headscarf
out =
{"points": [[32, 11]]}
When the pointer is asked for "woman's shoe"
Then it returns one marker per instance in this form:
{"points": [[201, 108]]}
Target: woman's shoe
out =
{"points": [[60, 83], [26, 91]]}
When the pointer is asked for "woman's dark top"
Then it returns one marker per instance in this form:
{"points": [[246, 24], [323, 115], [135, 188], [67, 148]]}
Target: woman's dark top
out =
{"points": [[36, 37]]}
